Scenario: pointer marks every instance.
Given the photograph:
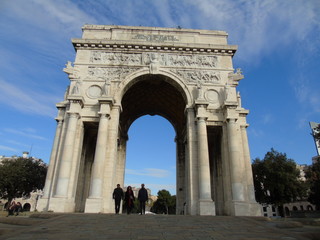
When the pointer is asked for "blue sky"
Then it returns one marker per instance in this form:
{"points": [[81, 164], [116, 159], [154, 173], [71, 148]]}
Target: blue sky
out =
{"points": [[278, 52]]}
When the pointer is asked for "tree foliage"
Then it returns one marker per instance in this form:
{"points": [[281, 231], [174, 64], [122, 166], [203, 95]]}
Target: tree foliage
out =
{"points": [[276, 179], [165, 204], [21, 176], [313, 178]]}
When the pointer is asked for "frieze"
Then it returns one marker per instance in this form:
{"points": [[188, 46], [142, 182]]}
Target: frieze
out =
{"points": [[108, 74], [164, 59], [115, 58], [194, 76]]}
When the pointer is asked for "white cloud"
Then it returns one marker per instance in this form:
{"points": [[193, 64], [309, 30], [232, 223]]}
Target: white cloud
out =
{"points": [[267, 118], [17, 143], [259, 27], [151, 172], [6, 148], [26, 100], [24, 133]]}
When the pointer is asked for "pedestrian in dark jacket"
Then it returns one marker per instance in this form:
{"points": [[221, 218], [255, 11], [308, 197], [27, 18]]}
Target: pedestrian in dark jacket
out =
{"points": [[117, 196], [143, 197], [129, 199]]}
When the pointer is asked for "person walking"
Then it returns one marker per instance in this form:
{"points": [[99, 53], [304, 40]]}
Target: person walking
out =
{"points": [[142, 197], [117, 196], [129, 199]]}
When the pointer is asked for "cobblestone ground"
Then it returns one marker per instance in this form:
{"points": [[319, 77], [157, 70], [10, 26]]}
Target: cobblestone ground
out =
{"points": [[151, 227]]}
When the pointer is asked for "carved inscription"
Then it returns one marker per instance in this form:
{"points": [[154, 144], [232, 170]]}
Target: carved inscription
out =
{"points": [[198, 76], [164, 59], [108, 74], [156, 38]]}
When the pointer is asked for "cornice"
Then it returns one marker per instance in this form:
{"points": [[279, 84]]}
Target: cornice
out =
{"points": [[97, 44]]}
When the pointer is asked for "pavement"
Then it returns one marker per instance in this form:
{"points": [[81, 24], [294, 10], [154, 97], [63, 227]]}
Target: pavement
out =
{"points": [[43, 226]]}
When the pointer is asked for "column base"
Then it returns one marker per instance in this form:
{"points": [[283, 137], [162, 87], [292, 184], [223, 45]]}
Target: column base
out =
{"points": [[42, 204], [247, 209], [207, 207], [61, 204], [93, 205]]}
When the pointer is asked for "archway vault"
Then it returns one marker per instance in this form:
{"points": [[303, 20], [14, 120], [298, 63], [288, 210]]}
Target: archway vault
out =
{"points": [[153, 95]]}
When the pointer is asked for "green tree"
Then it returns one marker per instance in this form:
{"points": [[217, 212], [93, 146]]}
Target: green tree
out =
{"points": [[276, 180], [313, 178], [165, 204], [21, 176]]}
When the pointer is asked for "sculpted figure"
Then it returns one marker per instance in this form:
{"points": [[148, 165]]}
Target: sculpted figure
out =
{"points": [[76, 89], [105, 89], [154, 64], [200, 90]]}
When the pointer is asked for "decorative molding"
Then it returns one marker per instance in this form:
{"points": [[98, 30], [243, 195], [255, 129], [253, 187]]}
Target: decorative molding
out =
{"points": [[92, 44], [212, 96], [94, 91]]}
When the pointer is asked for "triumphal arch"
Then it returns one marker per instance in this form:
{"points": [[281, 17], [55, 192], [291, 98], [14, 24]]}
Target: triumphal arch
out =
{"points": [[121, 73]]}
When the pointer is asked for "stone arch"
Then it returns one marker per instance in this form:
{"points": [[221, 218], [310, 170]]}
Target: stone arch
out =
{"points": [[181, 75], [26, 207], [309, 208], [164, 88], [134, 77]]}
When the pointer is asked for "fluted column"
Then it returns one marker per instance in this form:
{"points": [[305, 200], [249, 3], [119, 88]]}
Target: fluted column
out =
{"points": [[53, 156], [235, 164], [66, 159], [247, 163], [191, 166], [204, 167], [99, 157]]}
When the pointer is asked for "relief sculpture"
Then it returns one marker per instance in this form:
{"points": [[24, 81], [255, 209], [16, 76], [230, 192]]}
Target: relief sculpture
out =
{"points": [[164, 59], [108, 74], [193, 76], [116, 58]]}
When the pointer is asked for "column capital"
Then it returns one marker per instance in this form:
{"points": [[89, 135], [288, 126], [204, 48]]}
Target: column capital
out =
{"points": [[202, 119], [106, 100], [231, 120], [76, 99], [104, 115], [73, 114], [59, 120]]}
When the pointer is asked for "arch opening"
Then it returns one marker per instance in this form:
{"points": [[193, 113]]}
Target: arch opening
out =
{"points": [[157, 95], [150, 157]]}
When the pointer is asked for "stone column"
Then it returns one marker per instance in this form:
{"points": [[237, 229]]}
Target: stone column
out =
{"points": [[236, 167], [204, 167], [111, 159], [67, 154], [247, 163], [53, 156], [121, 163], [99, 157], [191, 166], [180, 172], [206, 205]]}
